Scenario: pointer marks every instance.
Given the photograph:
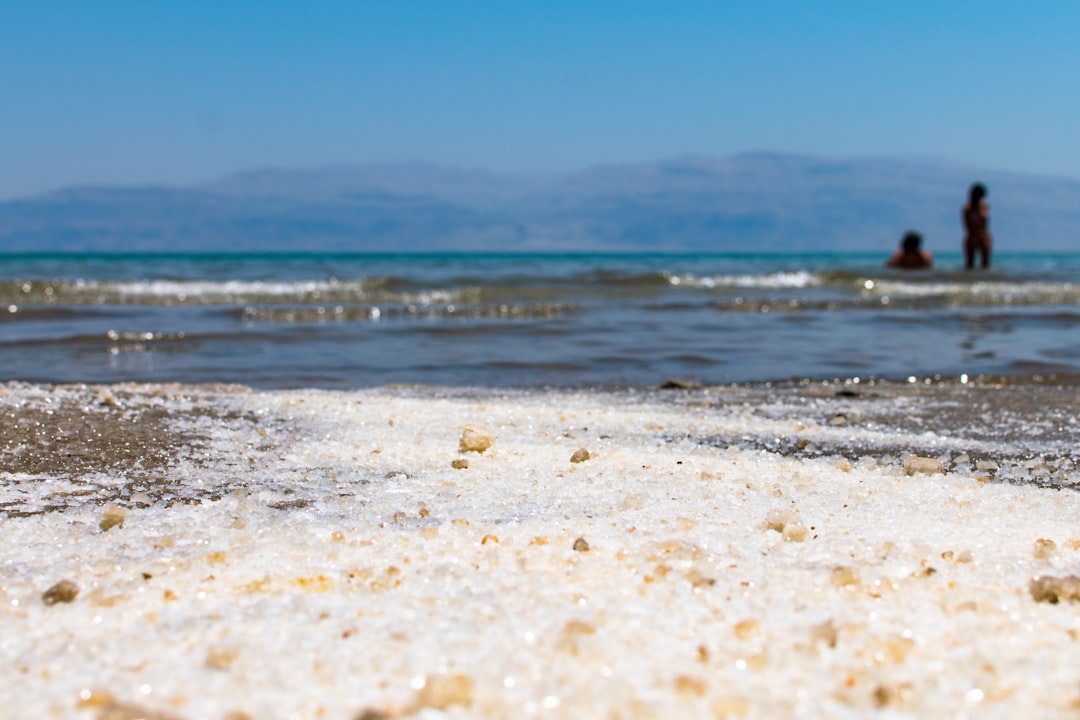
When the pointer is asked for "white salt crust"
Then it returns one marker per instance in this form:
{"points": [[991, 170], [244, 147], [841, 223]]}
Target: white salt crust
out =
{"points": [[412, 588]]}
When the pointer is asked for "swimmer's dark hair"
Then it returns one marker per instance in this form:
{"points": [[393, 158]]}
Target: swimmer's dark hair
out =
{"points": [[912, 242], [977, 193]]}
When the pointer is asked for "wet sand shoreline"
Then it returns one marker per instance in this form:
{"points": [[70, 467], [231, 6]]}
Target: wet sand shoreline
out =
{"points": [[127, 430]]}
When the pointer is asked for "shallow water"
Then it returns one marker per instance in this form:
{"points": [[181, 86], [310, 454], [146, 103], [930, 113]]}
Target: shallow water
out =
{"points": [[350, 321]]}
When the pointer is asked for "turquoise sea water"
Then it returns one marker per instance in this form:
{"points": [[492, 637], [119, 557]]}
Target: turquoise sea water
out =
{"points": [[508, 320]]}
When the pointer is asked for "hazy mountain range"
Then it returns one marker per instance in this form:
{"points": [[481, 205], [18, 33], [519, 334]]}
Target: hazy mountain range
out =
{"points": [[751, 202]]}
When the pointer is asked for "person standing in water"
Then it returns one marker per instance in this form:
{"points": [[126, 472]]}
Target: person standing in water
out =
{"points": [[976, 217]]}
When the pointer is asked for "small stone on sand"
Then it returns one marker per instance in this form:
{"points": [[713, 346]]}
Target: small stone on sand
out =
{"points": [[1055, 589], [679, 384], [787, 523], [581, 455], [374, 714], [473, 440], [62, 592], [112, 516], [440, 692], [922, 465], [1044, 548], [842, 576]]}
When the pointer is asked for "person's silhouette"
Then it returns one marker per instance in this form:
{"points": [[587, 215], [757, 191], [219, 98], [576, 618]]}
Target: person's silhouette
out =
{"points": [[911, 256], [976, 217]]}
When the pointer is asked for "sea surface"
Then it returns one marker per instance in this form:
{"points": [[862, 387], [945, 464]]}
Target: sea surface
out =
{"points": [[532, 320]]}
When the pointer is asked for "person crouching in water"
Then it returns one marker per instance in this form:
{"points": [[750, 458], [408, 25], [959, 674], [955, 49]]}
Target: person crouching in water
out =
{"points": [[911, 256], [976, 217]]}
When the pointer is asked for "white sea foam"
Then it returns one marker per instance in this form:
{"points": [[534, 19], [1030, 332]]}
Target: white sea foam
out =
{"points": [[328, 558], [245, 291], [977, 292], [230, 288], [793, 279]]}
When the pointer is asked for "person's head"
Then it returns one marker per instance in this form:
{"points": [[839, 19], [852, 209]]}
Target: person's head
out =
{"points": [[912, 242], [977, 193]]}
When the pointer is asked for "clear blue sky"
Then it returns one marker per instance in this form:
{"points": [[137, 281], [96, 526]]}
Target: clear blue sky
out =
{"points": [[181, 92]]}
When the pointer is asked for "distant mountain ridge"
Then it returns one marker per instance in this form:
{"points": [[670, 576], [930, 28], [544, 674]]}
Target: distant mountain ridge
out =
{"points": [[749, 202]]}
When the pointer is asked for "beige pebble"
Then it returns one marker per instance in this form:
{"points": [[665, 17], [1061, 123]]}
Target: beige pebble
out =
{"points": [[375, 714], [443, 691], [581, 545], [795, 532], [90, 699], [581, 455], [62, 592], [578, 627], [221, 658], [777, 519], [733, 707], [923, 465], [787, 523], [118, 710], [1044, 548], [842, 575], [111, 516], [459, 463], [473, 440], [824, 633], [690, 685], [745, 629]]}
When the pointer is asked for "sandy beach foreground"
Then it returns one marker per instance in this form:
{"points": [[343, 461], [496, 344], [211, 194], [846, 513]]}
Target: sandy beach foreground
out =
{"points": [[824, 550]]}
